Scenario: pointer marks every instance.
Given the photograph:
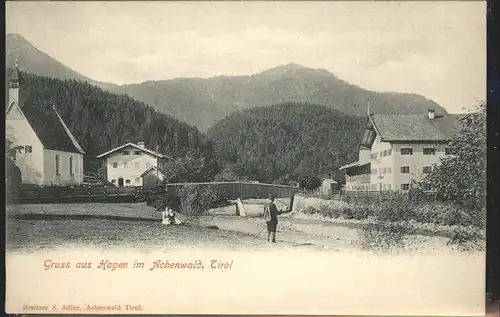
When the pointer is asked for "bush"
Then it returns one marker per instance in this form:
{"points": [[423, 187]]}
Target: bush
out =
{"points": [[467, 238], [389, 226], [397, 209], [195, 200], [382, 236], [450, 214]]}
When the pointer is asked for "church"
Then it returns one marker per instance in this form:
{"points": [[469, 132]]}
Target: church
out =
{"points": [[40, 143]]}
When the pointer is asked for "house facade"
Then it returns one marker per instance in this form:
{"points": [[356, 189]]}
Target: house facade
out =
{"points": [[131, 165], [396, 150], [46, 152]]}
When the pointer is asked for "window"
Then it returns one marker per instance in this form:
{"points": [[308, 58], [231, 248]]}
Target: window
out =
{"points": [[405, 169], [429, 151], [115, 165], [389, 186], [125, 165], [136, 164], [137, 152], [385, 152], [374, 171], [137, 180], [427, 169], [71, 172], [58, 172], [384, 170], [389, 152], [127, 181], [126, 153], [113, 181], [449, 151], [373, 186], [405, 186], [389, 170], [28, 149], [406, 151], [383, 187]]}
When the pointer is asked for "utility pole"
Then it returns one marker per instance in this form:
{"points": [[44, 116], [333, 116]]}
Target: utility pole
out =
{"points": [[157, 165]]}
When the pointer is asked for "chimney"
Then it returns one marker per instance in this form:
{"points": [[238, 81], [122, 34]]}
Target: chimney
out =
{"points": [[141, 144], [432, 114]]}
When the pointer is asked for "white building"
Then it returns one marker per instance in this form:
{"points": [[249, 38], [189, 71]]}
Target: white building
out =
{"points": [[48, 153], [134, 165], [398, 149], [328, 185]]}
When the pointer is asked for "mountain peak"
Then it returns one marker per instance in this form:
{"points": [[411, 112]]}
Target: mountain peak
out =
{"points": [[287, 67]]}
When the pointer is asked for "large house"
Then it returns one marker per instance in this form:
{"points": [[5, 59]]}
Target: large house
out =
{"points": [[398, 149], [134, 165], [45, 150]]}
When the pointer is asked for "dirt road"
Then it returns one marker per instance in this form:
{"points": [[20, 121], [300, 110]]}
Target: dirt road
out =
{"points": [[302, 232]]}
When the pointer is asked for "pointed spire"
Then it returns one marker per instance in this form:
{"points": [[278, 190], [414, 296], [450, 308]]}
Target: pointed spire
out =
{"points": [[14, 75]]}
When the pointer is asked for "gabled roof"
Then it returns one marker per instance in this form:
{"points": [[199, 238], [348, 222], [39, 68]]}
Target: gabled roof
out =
{"points": [[329, 180], [349, 165], [416, 127], [149, 169], [156, 154], [49, 128]]}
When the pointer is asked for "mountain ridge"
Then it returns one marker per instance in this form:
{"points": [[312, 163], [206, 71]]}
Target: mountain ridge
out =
{"points": [[204, 101]]}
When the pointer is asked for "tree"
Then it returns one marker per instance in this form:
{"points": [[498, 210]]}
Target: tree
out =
{"points": [[461, 177], [192, 167], [309, 182]]}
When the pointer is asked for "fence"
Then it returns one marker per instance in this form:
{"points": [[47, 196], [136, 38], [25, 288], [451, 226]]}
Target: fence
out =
{"points": [[368, 195], [32, 194], [240, 189]]}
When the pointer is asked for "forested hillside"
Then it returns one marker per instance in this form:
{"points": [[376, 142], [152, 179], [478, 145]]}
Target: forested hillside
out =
{"points": [[202, 102], [101, 120], [285, 142]]}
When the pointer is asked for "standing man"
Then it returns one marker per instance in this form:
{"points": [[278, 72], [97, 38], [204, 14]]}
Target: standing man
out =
{"points": [[271, 217]]}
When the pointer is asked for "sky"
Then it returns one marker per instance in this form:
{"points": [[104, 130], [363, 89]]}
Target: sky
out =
{"points": [[436, 49]]}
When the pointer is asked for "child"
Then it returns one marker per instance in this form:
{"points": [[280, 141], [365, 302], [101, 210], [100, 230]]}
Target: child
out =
{"points": [[171, 217]]}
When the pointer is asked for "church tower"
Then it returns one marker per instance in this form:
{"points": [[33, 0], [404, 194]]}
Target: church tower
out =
{"points": [[14, 85]]}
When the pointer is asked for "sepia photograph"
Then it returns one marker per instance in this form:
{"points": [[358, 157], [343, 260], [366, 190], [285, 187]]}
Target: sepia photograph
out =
{"points": [[246, 157]]}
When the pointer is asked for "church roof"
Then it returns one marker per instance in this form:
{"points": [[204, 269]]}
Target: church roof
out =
{"points": [[48, 125], [51, 129]]}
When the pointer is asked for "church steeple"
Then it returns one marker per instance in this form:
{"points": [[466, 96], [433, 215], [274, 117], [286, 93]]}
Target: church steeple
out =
{"points": [[14, 84]]}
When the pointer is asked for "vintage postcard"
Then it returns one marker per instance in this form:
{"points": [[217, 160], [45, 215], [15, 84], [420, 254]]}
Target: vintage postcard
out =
{"points": [[246, 157]]}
